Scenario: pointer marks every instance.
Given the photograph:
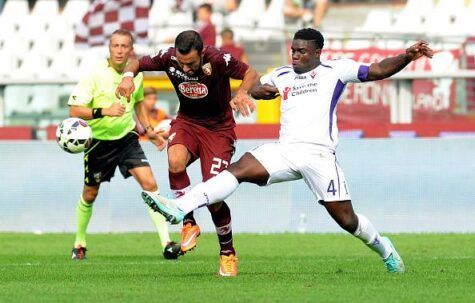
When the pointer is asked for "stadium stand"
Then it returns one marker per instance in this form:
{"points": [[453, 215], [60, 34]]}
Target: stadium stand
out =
{"points": [[37, 47]]}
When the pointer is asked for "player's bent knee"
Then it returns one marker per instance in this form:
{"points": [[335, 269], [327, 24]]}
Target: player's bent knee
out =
{"points": [[215, 207], [89, 196], [176, 165], [348, 223], [149, 185]]}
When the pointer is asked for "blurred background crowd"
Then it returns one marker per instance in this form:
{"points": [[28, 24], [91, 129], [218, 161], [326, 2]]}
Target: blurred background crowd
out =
{"points": [[42, 56]]}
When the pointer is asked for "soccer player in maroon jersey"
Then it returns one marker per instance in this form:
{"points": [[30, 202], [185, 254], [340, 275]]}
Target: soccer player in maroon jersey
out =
{"points": [[204, 127]]}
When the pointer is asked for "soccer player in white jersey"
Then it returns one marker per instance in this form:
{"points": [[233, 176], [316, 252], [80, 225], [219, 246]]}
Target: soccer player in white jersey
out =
{"points": [[310, 90]]}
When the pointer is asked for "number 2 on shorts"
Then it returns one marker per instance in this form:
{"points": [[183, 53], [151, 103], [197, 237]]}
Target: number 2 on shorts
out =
{"points": [[217, 164]]}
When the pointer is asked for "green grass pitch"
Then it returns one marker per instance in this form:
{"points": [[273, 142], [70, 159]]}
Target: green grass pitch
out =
{"points": [[272, 268]]}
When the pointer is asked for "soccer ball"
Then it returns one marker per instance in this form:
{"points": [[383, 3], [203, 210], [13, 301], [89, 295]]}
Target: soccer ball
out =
{"points": [[74, 135]]}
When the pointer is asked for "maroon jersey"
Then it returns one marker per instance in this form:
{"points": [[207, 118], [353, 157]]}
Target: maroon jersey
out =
{"points": [[204, 97], [208, 33], [234, 50]]}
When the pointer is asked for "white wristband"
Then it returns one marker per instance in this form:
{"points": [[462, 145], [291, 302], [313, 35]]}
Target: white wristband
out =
{"points": [[128, 74]]}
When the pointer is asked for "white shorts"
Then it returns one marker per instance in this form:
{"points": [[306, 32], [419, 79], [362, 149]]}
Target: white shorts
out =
{"points": [[293, 161]]}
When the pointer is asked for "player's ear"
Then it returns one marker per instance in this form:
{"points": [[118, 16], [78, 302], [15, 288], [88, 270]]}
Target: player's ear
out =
{"points": [[318, 52]]}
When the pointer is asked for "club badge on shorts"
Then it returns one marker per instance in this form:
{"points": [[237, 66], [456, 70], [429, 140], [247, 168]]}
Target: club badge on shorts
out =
{"points": [[207, 69], [98, 177]]}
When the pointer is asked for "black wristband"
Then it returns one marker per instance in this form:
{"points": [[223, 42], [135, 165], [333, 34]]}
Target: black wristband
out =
{"points": [[97, 113]]}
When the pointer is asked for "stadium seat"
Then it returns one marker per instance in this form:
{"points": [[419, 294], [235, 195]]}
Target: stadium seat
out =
{"points": [[66, 41], [418, 6], [177, 23], [59, 27], [15, 43], [45, 44], [64, 64], [8, 27], [377, 21], [17, 99], [244, 19], [90, 58], [33, 66], [450, 7], [413, 16], [74, 10], [447, 19], [271, 23], [159, 13], [45, 98], [44, 10], [8, 62], [16, 10], [32, 28], [247, 10]]}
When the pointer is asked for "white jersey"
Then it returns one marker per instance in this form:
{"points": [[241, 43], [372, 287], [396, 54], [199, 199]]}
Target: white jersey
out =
{"points": [[308, 101]]}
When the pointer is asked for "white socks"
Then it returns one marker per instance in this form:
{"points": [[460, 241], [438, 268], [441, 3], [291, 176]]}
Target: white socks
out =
{"points": [[370, 236], [177, 193], [212, 191]]}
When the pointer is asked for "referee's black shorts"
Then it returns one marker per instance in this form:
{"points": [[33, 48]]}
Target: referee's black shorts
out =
{"points": [[102, 158]]}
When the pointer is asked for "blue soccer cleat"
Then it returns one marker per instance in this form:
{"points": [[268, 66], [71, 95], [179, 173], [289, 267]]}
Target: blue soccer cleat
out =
{"points": [[394, 263], [165, 206]]}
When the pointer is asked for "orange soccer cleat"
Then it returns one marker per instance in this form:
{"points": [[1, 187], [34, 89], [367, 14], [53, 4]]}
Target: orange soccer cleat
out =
{"points": [[228, 265], [189, 235]]}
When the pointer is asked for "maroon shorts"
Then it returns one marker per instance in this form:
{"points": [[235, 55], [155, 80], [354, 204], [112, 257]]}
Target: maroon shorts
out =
{"points": [[213, 148]]}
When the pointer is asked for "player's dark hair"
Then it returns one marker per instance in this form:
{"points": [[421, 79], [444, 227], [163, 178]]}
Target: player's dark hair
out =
{"points": [[227, 31], [207, 7], [124, 32], [188, 40], [310, 34]]}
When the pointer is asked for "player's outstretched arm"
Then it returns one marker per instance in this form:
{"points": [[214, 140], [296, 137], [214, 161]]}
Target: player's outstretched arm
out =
{"points": [[264, 92], [126, 87], [390, 66], [241, 102]]}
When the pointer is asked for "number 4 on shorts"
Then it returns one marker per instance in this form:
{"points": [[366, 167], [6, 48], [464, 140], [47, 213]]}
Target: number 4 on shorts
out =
{"points": [[331, 187]]}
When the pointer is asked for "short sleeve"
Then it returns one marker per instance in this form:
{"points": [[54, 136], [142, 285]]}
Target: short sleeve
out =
{"points": [[230, 66], [83, 92], [352, 71], [156, 62], [268, 79]]}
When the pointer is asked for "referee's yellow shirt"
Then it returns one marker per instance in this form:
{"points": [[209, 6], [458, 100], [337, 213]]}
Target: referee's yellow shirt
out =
{"points": [[97, 90]]}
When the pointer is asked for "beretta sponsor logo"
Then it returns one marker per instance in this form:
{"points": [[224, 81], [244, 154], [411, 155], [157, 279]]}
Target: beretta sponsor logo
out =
{"points": [[193, 90]]}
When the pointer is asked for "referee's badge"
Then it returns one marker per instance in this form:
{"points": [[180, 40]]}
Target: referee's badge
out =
{"points": [[207, 69]]}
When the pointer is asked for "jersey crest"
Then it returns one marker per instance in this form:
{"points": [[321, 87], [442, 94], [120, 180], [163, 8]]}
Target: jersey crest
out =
{"points": [[207, 69]]}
